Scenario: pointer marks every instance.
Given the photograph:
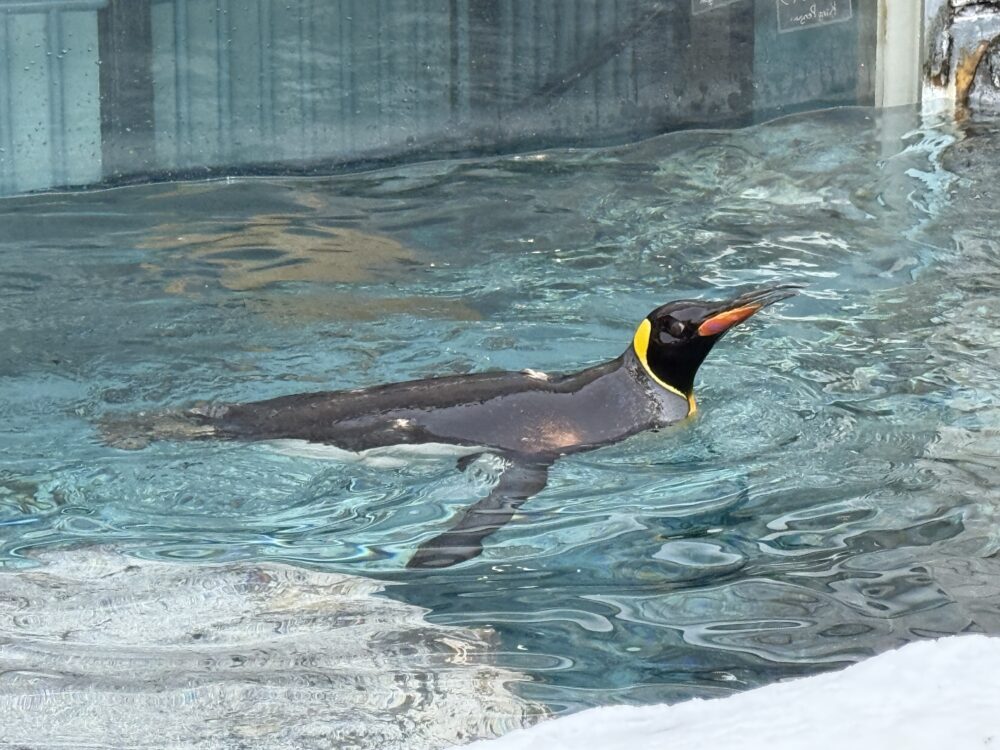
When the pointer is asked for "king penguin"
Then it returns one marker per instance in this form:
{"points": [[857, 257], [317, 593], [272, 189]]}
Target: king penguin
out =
{"points": [[528, 419]]}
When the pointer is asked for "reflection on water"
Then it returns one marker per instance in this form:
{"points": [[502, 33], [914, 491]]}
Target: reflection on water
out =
{"points": [[99, 649], [263, 251], [273, 249], [834, 497]]}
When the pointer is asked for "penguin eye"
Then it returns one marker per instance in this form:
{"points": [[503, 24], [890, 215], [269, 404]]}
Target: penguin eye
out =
{"points": [[676, 329]]}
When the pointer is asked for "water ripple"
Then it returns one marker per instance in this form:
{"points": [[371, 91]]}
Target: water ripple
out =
{"points": [[835, 495], [254, 653]]}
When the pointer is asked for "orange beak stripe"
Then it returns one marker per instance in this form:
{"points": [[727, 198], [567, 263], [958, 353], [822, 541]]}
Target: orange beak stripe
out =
{"points": [[726, 320]]}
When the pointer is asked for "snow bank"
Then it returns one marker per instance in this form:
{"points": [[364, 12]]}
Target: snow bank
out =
{"points": [[927, 695]]}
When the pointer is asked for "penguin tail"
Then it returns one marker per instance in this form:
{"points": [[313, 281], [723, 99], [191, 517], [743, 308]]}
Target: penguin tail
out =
{"points": [[136, 431]]}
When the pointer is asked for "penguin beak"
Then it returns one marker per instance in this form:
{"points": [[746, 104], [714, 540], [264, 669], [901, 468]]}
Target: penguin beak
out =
{"points": [[736, 310]]}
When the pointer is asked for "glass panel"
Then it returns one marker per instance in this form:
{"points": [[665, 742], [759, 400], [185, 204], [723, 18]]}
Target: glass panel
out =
{"points": [[147, 89]]}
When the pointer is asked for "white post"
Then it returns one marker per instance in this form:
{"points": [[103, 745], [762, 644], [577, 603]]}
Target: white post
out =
{"points": [[897, 54]]}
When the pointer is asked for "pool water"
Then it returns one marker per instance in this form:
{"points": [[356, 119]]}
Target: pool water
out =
{"points": [[835, 496]]}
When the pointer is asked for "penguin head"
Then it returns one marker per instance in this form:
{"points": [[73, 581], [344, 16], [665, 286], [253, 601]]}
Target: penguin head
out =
{"points": [[674, 339]]}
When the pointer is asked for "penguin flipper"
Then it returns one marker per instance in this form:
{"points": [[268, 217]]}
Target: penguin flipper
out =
{"points": [[523, 478]]}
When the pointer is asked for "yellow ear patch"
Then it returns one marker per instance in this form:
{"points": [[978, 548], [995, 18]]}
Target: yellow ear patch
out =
{"points": [[640, 344]]}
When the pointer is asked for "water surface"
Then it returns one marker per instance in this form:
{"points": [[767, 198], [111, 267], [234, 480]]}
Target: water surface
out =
{"points": [[834, 497]]}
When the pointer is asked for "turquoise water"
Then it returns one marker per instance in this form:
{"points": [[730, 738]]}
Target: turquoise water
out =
{"points": [[834, 497]]}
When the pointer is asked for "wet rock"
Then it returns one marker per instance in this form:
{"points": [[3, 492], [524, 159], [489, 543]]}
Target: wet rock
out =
{"points": [[984, 95], [962, 54]]}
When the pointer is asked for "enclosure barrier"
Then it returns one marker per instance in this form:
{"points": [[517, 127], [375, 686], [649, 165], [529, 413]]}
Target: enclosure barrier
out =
{"points": [[112, 91]]}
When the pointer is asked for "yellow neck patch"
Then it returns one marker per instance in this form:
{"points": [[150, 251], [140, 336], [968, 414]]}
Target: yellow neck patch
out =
{"points": [[640, 344]]}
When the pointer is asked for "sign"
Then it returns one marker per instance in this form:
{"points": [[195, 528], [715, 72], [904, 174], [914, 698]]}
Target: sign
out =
{"points": [[704, 6], [796, 15]]}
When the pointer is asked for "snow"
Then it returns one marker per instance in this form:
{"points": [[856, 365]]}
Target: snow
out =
{"points": [[927, 695]]}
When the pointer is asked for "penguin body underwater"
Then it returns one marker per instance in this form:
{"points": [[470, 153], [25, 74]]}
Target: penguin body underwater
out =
{"points": [[529, 419]]}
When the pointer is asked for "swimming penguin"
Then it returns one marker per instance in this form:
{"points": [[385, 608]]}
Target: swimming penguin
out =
{"points": [[528, 418]]}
